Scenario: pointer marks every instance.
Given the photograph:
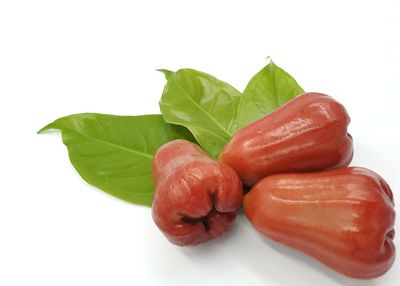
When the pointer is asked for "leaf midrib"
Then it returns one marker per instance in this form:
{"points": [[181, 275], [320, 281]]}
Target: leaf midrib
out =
{"points": [[111, 144], [204, 111], [277, 102]]}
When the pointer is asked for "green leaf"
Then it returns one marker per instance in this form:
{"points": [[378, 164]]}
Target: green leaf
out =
{"points": [[167, 73], [114, 153], [266, 91], [204, 105]]}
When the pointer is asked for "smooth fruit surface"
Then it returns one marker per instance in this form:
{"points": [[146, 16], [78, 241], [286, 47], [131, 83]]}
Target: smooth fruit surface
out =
{"points": [[344, 217], [308, 133]]}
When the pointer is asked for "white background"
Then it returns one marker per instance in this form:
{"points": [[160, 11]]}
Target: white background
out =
{"points": [[64, 57]]}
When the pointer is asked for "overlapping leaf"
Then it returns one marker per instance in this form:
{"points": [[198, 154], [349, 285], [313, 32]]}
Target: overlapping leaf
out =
{"points": [[269, 89], [203, 104], [114, 153]]}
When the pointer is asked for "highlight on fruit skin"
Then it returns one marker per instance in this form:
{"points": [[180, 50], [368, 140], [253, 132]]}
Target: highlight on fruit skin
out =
{"points": [[308, 133], [196, 198], [344, 218]]}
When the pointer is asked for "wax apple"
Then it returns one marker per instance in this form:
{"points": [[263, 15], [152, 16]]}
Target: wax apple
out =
{"points": [[196, 197], [309, 133], [343, 217]]}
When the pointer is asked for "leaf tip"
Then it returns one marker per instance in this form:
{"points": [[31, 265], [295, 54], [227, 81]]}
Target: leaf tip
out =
{"points": [[47, 128], [270, 61], [167, 73]]}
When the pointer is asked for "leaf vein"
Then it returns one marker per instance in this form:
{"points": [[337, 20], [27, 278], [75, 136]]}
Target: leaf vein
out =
{"points": [[111, 144], [205, 112]]}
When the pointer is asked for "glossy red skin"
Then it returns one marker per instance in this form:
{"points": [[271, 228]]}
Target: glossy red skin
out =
{"points": [[343, 217], [308, 133], [196, 197]]}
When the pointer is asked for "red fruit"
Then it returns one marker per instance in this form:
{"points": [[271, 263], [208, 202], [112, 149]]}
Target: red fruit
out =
{"points": [[196, 197], [344, 217], [309, 133]]}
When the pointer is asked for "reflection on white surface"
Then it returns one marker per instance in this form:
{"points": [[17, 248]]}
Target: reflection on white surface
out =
{"points": [[64, 57], [245, 257]]}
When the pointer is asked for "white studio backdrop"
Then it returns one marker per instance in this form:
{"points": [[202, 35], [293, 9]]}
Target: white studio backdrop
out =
{"points": [[64, 57]]}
